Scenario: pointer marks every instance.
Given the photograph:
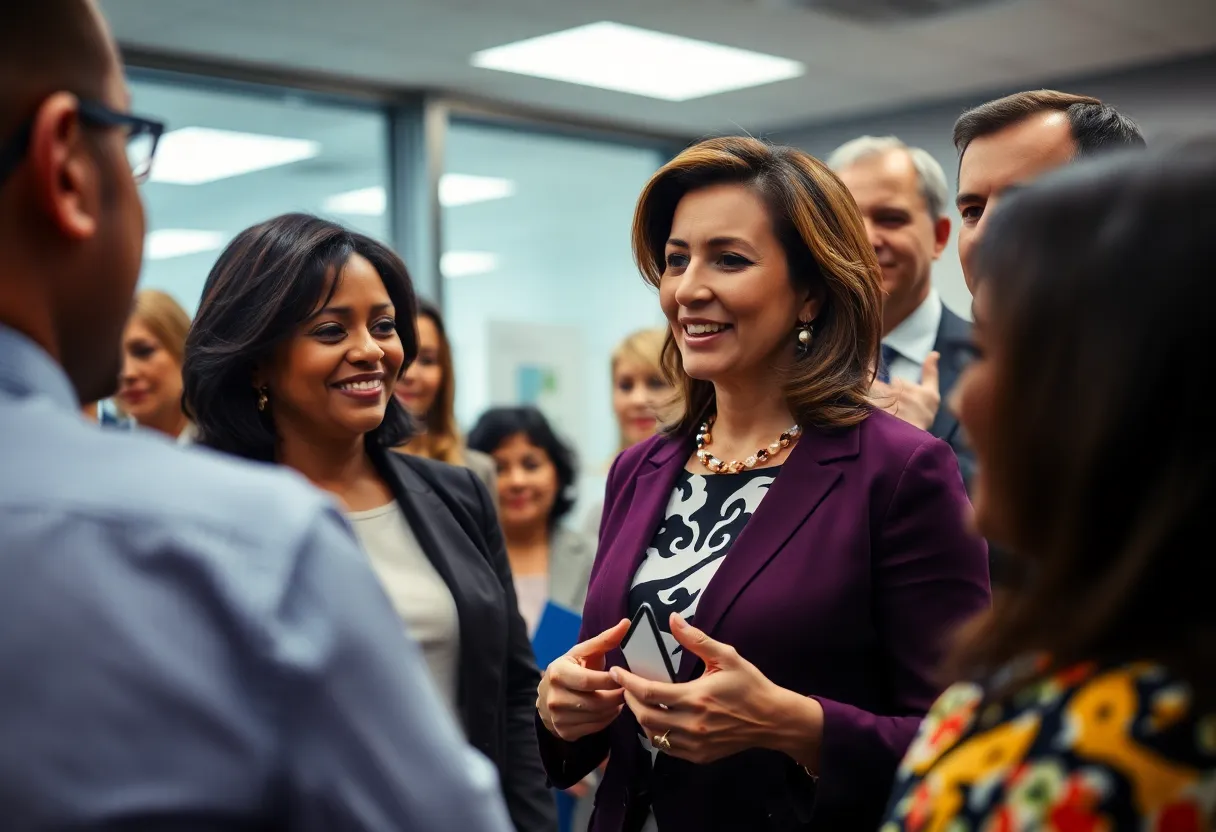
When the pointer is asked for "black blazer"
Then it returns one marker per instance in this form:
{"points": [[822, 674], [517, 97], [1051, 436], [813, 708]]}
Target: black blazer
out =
{"points": [[953, 335], [452, 516]]}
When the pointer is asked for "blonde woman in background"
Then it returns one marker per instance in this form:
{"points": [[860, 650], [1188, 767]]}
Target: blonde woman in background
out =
{"points": [[428, 392], [639, 391], [153, 347], [638, 386]]}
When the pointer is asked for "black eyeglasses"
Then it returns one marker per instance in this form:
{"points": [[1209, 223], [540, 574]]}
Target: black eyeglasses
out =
{"points": [[142, 137]]}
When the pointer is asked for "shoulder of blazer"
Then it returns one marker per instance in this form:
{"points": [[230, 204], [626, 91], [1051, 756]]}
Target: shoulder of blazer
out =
{"points": [[656, 449], [421, 475]]}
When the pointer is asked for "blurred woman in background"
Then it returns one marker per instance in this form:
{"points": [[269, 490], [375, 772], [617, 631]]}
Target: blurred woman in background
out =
{"points": [[153, 346], [536, 475], [428, 392], [303, 331], [639, 391], [549, 563], [1091, 693], [638, 387]]}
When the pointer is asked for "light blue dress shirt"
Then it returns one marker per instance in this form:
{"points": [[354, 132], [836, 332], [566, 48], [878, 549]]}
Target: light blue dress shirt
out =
{"points": [[192, 642], [913, 339]]}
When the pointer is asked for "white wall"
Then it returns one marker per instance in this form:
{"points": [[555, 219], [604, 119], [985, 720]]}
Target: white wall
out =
{"points": [[563, 246], [1167, 101]]}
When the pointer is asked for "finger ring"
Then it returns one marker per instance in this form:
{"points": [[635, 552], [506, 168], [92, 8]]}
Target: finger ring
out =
{"points": [[661, 742]]}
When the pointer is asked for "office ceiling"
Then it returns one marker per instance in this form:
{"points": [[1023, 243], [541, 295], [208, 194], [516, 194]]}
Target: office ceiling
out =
{"points": [[854, 67]]}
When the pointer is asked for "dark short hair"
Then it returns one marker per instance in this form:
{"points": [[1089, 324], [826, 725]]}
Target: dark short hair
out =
{"points": [[827, 252], [498, 424], [1095, 126], [267, 282], [46, 47], [1102, 310]]}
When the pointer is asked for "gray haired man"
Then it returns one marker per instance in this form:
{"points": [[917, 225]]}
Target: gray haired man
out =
{"points": [[903, 197]]}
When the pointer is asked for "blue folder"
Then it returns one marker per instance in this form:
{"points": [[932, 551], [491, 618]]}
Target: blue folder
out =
{"points": [[556, 632]]}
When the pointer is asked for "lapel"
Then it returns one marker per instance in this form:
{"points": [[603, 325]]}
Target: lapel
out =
{"points": [[950, 333], [805, 479], [444, 541], [429, 516], [640, 519]]}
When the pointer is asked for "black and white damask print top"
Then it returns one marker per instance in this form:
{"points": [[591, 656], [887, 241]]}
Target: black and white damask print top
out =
{"points": [[704, 517]]}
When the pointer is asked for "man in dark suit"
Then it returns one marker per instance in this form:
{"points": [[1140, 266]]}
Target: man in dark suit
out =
{"points": [[903, 197]]}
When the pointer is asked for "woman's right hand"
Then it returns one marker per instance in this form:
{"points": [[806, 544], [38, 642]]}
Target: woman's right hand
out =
{"points": [[577, 697]]}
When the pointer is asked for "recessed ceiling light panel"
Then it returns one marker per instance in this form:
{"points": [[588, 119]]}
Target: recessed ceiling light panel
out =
{"points": [[613, 56]]}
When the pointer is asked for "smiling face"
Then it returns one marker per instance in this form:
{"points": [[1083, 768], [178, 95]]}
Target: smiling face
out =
{"points": [[906, 237], [333, 379], [726, 288], [420, 385], [150, 385], [527, 483], [637, 391]]}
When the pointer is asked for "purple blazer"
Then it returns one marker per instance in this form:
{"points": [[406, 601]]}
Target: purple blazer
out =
{"points": [[846, 585]]}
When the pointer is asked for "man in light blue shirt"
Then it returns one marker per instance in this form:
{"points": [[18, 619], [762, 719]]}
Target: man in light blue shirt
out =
{"points": [[186, 642]]}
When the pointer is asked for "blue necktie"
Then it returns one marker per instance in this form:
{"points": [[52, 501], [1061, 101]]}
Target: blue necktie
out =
{"points": [[886, 356]]}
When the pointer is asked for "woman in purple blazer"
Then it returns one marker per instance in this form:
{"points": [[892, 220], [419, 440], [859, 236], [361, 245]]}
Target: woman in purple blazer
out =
{"points": [[820, 546]]}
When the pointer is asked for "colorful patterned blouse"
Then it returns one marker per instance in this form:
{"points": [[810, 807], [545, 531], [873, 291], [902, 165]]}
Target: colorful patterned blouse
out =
{"points": [[1087, 750]]}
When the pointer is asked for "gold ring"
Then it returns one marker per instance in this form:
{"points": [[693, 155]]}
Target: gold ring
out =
{"points": [[662, 743]]}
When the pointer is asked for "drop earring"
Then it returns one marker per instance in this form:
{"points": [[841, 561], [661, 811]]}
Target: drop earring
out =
{"points": [[262, 398], [806, 330]]}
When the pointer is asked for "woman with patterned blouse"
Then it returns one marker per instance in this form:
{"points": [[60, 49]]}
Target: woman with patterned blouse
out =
{"points": [[1093, 705]]}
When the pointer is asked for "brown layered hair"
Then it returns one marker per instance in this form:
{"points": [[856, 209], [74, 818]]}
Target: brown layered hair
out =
{"points": [[828, 254], [440, 438], [1101, 314]]}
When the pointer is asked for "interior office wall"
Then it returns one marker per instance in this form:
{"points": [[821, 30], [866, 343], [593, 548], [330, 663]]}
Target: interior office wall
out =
{"points": [[1168, 101], [540, 284]]}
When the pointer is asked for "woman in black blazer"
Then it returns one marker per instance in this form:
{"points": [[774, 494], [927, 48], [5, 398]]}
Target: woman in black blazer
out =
{"points": [[303, 330]]}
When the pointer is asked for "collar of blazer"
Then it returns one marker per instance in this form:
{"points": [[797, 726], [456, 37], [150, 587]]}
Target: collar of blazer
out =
{"points": [[639, 506]]}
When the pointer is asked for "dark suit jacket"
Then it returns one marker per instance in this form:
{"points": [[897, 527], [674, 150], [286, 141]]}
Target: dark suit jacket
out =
{"points": [[454, 520], [846, 585], [953, 333]]}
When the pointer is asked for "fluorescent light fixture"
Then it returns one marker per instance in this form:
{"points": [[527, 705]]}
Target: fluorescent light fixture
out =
{"points": [[365, 202], [467, 263], [464, 189], [194, 155], [613, 56], [165, 243]]}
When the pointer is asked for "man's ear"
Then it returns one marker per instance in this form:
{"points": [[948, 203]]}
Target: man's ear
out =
{"points": [[65, 173], [941, 235]]}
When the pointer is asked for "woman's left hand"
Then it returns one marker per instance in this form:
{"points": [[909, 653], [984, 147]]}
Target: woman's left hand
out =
{"points": [[730, 708]]}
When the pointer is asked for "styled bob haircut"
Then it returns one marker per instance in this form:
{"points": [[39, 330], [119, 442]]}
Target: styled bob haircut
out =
{"points": [[498, 424], [1101, 314], [267, 282], [828, 253]]}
